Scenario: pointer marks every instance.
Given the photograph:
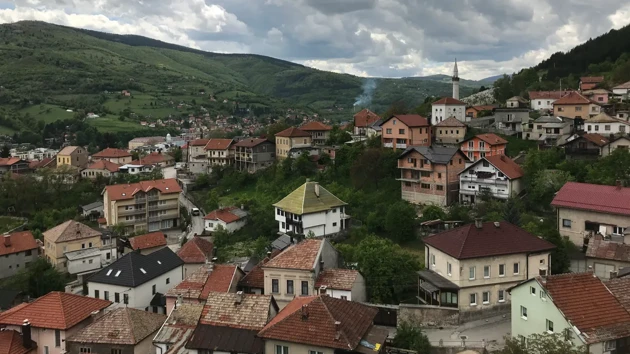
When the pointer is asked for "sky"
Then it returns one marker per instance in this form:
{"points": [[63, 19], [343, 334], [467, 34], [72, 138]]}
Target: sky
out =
{"points": [[376, 38]]}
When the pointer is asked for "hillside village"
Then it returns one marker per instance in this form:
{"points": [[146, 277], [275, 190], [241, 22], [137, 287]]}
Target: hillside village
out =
{"points": [[474, 227]]}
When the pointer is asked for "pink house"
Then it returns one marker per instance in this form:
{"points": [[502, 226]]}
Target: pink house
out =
{"points": [[597, 95]]}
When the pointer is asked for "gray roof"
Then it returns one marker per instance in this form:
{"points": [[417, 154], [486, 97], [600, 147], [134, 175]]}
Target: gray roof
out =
{"points": [[283, 242], [435, 153], [548, 119], [377, 125], [83, 253], [437, 280], [91, 206]]}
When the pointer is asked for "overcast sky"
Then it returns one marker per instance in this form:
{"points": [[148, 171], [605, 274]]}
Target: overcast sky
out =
{"points": [[385, 38]]}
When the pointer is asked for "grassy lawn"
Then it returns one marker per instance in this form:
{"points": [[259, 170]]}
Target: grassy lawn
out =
{"points": [[6, 130], [516, 145], [112, 124], [47, 112], [415, 247], [7, 223]]}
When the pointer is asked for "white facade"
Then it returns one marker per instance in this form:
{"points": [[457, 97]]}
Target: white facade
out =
{"points": [[139, 297], [212, 225], [84, 260], [499, 185], [621, 91], [135, 169], [542, 103], [444, 111], [322, 223], [607, 128]]}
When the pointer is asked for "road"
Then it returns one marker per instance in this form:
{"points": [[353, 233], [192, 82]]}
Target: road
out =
{"points": [[197, 221]]}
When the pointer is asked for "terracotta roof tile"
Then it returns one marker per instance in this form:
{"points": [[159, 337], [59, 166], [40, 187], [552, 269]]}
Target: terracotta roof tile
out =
{"points": [[70, 231], [449, 100], [227, 215], [572, 97], [198, 142], [546, 95], [487, 107], [150, 240], [68, 150], [450, 122], [206, 279], [506, 165], [219, 144], [8, 161], [595, 138], [127, 191], [593, 197], [336, 278], [256, 277], [620, 287], [491, 139], [104, 165], [302, 256], [601, 249], [221, 279], [11, 342], [122, 326], [55, 310], [196, 250], [153, 158], [17, 242], [572, 292], [306, 315], [411, 120], [35, 164], [251, 142], [365, 118], [179, 327], [112, 153], [468, 241], [224, 309], [625, 85], [293, 133], [315, 126]]}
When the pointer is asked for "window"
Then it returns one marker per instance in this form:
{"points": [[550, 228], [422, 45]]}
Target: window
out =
{"points": [[289, 286], [473, 299], [46, 350], [274, 286], [471, 273], [471, 144], [304, 288], [425, 186], [433, 260], [486, 271], [610, 345], [566, 223], [153, 290], [524, 312], [89, 244], [439, 188], [57, 338], [516, 268], [96, 294], [168, 280], [549, 326], [314, 352], [449, 268], [388, 130], [81, 350], [401, 131], [343, 297], [439, 175], [116, 297], [117, 351], [106, 295], [588, 127], [622, 128], [126, 299], [83, 245], [334, 224], [27, 253], [532, 290], [425, 174], [597, 128], [485, 297], [501, 295], [280, 349]]}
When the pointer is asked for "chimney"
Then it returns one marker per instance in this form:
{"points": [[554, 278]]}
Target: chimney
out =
{"points": [[338, 330], [239, 298], [304, 312], [478, 223], [242, 206], [321, 265], [618, 184], [7, 240], [497, 224], [269, 254], [317, 189], [26, 334]]}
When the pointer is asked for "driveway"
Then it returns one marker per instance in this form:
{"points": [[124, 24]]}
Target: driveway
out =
{"points": [[491, 331]]}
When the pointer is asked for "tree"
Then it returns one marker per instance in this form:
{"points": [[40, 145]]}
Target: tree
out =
{"points": [[511, 211], [372, 166], [400, 222], [38, 279], [398, 107], [303, 165], [410, 336], [546, 343], [177, 154], [5, 151], [433, 212]]}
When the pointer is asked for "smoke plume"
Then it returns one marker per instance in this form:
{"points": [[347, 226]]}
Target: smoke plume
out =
{"points": [[365, 98]]}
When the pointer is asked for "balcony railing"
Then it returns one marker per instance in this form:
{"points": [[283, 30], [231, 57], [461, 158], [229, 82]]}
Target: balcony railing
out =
{"points": [[388, 145], [153, 197], [472, 178], [141, 200], [401, 146], [132, 212]]}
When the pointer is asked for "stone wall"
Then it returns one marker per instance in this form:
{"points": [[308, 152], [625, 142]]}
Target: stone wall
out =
{"points": [[497, 310], [428, 316]]}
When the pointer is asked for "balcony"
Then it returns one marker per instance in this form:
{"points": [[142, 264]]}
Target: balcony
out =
{"points": [[401, 146], [475, 179], [141, 200], [153, 197], [132, 212], [388, 145]]}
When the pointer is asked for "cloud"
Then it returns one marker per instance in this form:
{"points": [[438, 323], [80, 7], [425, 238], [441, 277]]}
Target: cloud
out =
{"points": [[392, 38]]}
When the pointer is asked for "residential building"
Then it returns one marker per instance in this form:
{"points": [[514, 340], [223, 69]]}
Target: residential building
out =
{"points": [[14, 342], [14, 165], [575, 105], [497, 175], [607, 256], [112, 155], [253, 155], [401, 131], [319, 131], [549, 129], [17, 251], [621, 114], [472, 267], [291, 138], [254, 281], [448, 107], [511, 120], [584, 146], [229, 219], [220, 152], [146, 205], [229, 323], [516, 102], [94, 210], [145, 141], [556, 304], [102, 168], [543, 100], [342, 326], [605, 124], [136, 169], [476, 111], [156, 158], [483, 145], [48, 162], [84, 261], [177, 329], [363, 120], [53, 318], [590, 82], [585, 210], [74, 156], [341, 284], [597, 95], [121, 331], [429, 174], [622, 90], [197, 157], [311, 209], [135, 280], [67, 237], [147, 243], [620, 142], [195, 253], [198, 284], [449, 131]]}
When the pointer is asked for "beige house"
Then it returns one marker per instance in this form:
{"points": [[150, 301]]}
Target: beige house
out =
{"points": [[116, 156], [449, 131], [67, 237], [220, 152], [291, 138], [100, 168], [146, 205], [319, 131], [622, 142], [472, 267], [575, 105], [75, 156]]}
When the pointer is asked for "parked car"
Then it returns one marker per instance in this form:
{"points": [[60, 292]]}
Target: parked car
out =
{"points": [[195, 212]]}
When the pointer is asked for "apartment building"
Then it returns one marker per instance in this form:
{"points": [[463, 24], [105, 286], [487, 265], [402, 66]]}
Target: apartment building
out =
{"points": [[14, 165], [220, 152], [590, 82], [253, 155], [549, 129], [146, 205], [291, 138], [319, 131], [543, 100], [497, 175], [402, 131], [102, 168], [74, 156], [483, 145], [605, 124]]}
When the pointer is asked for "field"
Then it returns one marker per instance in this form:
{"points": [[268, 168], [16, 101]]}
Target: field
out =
{"points": [[47, 113], [112, 124], [7, 223]]}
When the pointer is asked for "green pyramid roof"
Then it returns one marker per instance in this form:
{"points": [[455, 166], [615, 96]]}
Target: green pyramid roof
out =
{"points": [[305, 200]]}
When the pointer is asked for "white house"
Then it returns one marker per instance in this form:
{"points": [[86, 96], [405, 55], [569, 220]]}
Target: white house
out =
{"points": [[605, 124], [311, 209], [135, 169], [136, 280], [622, 90], [543, 100], [84, 261], [341, 284], [448, 107], [498, 174], [92, 209], [230, 219]]}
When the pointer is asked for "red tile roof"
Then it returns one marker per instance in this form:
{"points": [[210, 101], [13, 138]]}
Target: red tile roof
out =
{"points": [[592, 79], [251, 142], [449, 100], [220, 280], [620, 287], [411, 120], [595, 138], [55, 310], [226, 215], [223, 309], [11, 342], [208, 278], [365, 118], [198, 142], [112, 153], [8, 161], [598, 248], [104, 165], [219, 144], [450, 122], [150, 240], [572, 97], [127, 191], [256, 277], [491, 139], [39, 164], [196, 250], [315, 126], [468, 241], [593, 197], [506, 165], [17, 242], [336, 278], [549, 95], [339, 324], [153, 158], [293, 133], [302, 256], [487, 107], [571, 293]]}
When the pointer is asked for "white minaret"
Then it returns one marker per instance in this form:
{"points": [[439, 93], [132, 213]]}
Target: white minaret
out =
{"points": [[455, 82]]}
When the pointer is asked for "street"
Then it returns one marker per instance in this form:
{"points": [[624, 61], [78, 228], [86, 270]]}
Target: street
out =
{"points": [[197, 221]]}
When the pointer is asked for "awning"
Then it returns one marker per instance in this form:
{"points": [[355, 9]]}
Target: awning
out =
{"points": [[428, 287], [435, 280]]}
